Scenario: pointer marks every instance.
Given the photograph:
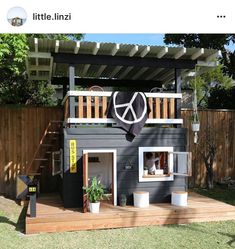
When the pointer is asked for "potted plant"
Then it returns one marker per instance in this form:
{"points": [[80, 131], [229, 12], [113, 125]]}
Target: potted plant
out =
{"points": [[195, 123], [95, 193], [122, 200]]}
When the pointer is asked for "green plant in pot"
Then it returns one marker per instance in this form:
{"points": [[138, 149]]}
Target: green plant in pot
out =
{"points": [[122, 200], [95, 192]]}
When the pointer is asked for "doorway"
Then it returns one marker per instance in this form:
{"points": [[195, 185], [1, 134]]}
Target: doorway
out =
{"points": [[103, 165]]}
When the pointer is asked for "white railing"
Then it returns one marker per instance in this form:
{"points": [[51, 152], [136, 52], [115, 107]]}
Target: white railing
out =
{"points": [[90, 107]]}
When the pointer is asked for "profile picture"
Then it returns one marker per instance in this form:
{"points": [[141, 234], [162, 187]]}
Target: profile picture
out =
{"points": [[16, 16]]}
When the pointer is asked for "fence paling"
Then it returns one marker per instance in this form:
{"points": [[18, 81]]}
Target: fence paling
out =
{"points": [[20, 133]]}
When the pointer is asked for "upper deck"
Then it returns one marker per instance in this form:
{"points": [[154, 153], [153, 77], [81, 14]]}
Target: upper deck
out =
{"points": [[90, 107]]}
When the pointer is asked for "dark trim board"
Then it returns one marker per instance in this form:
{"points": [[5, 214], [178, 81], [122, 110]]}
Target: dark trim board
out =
{"points": [[118, 131], [123, 61], [139, 85]]}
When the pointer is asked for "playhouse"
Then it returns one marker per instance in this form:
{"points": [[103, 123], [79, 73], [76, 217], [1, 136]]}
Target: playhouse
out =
{"points": [[95, 143]]}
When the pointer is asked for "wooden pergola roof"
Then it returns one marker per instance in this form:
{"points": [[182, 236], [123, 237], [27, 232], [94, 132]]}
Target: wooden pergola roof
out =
{"points": [[49, 60]]}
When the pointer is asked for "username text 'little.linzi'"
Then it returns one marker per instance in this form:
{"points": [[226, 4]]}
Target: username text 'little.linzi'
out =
{"points": [[53, 17]]}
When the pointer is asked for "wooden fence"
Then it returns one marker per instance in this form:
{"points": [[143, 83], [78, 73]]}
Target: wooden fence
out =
{"points": [[21, 129], [221, 125]]}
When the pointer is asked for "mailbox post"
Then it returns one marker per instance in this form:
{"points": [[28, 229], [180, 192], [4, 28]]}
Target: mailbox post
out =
{"points": [[32, 191]]}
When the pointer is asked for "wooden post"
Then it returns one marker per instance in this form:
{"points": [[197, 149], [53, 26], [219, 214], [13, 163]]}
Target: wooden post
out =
{"points": [[32, 204], [178, 85], [71, 88]]}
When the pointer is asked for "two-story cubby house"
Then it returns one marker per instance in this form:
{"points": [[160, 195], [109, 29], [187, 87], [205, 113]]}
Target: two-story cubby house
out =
{"points": [[95, 144]]}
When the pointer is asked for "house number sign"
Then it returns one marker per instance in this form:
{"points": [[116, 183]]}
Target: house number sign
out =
{"points": [[73, 156]]}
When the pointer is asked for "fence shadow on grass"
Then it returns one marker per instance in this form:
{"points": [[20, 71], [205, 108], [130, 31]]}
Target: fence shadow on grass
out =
{"points": [[20, 224], [231, 242], [6, 220]]}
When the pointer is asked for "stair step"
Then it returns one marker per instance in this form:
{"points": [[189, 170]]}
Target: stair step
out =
{"points": [[41, 159], [53, 132], [42, 166], [34, 174], [52, 138], [49, 151]]}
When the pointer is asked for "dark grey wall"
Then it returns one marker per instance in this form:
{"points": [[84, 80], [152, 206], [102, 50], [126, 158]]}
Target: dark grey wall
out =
{"points": [[127, 149]]}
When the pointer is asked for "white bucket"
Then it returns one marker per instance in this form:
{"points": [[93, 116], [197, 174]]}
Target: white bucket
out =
{"points": [[94, 207], [179, 198], [141, 199]]}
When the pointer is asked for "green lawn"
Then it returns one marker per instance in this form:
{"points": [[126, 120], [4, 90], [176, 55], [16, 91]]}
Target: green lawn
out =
{"points": [[220, 194], [198, 235]]}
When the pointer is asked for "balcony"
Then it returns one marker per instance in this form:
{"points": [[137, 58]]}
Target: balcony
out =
{"points": [[90, 107]]}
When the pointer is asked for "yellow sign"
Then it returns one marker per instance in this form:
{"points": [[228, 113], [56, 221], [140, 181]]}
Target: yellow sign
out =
{"points": [[32, 189], [73, 156]]}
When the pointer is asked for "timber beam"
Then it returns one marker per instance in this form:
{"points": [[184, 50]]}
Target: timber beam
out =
{"points": [[106, 82], [123, 61]]}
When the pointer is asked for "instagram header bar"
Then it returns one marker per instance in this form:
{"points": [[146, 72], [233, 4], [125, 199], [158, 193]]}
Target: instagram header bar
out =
{"points": [[108, 16]]}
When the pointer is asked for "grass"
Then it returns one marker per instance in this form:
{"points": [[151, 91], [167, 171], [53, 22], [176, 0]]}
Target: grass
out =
{"points": [[220, 194], [197, 235]]}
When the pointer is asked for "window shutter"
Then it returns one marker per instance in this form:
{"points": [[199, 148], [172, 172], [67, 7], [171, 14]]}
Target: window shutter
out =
{"points": [[57, 162], [182, 163]]}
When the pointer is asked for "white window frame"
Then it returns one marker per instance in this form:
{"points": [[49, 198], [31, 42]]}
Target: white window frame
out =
{"points": [[141, 164]]}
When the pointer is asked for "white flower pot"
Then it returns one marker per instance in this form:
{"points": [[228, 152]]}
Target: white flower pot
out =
{"points": [[94, 207], [145, 172], [195, 127]]}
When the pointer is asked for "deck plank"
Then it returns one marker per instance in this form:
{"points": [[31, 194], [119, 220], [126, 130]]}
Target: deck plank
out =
{"points": [[52, 217]]}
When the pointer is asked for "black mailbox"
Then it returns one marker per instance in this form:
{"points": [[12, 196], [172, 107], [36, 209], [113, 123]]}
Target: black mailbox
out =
{"points": [[32, 188]]}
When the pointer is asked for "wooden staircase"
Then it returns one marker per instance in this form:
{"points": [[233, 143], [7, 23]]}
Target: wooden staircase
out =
{"points": [[41, 164]]}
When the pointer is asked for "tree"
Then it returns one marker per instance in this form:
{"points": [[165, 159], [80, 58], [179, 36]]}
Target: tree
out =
{"points": [[212, 41], [219, 77], [208, 154], [66, 37], [207, 82], [21, 91], [14, 86], [13, 51], [221, 98]]}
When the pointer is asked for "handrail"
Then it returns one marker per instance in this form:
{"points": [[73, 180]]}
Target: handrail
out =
{"points": [[108, 94], [112, 121], [40, 143]]}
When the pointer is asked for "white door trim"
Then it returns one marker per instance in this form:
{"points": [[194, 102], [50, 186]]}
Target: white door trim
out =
{"points": [[114, 168]]}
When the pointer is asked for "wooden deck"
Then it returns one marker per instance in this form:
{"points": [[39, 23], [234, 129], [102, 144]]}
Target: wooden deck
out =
{"points": [[52, 217]]}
